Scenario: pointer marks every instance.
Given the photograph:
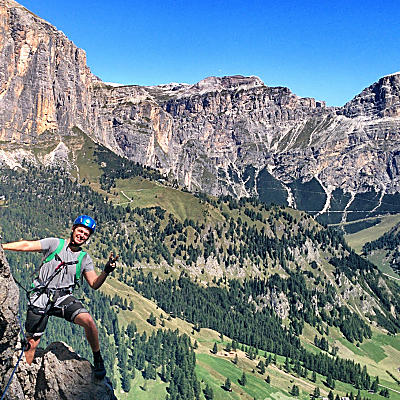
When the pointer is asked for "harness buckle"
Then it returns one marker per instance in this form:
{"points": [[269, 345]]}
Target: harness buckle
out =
{"points": [[52, 296]]}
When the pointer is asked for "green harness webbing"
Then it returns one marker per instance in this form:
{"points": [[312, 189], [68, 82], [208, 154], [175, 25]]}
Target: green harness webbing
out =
{"points": [[56, 251], [60, 246], [78, 266]]}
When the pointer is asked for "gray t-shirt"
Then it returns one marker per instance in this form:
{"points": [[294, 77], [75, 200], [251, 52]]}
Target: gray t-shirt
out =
{"points": [[66, 278]]}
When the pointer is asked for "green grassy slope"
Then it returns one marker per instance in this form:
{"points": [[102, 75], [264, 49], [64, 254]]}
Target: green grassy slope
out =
{"points": [[380, 353], [358, 239]]}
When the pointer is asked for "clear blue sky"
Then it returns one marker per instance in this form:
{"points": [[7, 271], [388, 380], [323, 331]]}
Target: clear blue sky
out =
{"points": [[329, 50]]}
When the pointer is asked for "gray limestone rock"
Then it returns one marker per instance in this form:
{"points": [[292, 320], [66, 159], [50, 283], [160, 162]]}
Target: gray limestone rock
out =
{"points": [[207, 135]]}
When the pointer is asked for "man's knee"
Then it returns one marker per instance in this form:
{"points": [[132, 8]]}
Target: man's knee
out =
{"points": [[85, 320]]}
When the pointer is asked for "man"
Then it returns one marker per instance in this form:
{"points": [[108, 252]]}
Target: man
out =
{"points": [[52, 289]]}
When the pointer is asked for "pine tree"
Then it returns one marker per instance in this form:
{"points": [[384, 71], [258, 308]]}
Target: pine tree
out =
{"points": [[330, 382], [295, 391], [125, 380], [208, 392], [228, 385], [287, 365], [313, 377], [152, 319], [261, 366], [243, 379], [385, 393], [374, 385], [316, 393], [215, 349]]}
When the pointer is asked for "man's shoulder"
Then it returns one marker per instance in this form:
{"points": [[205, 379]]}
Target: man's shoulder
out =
{"points": [[87, 262], [49, 244], [87, 255]]}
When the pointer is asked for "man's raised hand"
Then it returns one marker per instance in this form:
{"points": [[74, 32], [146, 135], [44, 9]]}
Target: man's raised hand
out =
{"points": [[111, 263]]}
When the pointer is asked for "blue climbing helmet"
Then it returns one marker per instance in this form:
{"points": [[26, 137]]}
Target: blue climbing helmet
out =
{"points": [[87, 221]]}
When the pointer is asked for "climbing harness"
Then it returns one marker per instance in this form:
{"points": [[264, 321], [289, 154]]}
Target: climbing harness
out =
{"points": [[42, 287]]}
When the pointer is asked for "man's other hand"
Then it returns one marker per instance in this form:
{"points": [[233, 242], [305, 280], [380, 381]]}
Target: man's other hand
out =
{"points": [[111, 263]]}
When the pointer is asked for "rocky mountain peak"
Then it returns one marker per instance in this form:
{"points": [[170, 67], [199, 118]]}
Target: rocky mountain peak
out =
{"points": [[56, 372], [211, 84], [43, 77], [214, 83], [231, 134], [381, 99]]}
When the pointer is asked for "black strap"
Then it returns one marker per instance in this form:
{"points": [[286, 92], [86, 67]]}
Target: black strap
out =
{"points": [[44, 285], [58, 258], [20, 285], [53, 294]]}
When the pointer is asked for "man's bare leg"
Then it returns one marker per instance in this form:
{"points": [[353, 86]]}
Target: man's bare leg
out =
{"points": [[30, 353], [86, 321]]}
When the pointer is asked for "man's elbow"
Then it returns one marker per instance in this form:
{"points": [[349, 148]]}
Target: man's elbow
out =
{"points": [[27, 245], [94, 285]]}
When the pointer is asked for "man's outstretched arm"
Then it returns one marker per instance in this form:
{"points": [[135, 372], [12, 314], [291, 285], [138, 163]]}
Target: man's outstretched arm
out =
{"points": [[23, 245]]}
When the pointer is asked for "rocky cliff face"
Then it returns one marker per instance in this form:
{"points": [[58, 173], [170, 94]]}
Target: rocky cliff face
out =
{"points": [[43, 77], [378, 100], [221, 135], [56, 373], [204, 134]]}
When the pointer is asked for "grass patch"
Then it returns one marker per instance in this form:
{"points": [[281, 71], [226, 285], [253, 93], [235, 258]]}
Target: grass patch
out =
{"points": [[357, 240], [374, 350], [350, 346], [385, 340], [144, 389], [215, 370], [139, 192], [360, 225]]}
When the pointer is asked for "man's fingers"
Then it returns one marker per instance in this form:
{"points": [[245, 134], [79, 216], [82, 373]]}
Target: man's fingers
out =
{"points": [[113, 258]]}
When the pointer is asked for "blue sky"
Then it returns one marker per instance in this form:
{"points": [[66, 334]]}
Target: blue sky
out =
{"points": [[329, 50]]}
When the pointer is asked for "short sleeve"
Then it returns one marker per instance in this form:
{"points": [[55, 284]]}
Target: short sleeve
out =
{"points": [[49, 245], [87, 263]]}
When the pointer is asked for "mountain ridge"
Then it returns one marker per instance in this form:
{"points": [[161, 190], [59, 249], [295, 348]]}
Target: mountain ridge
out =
{"points": [[230, 135]]}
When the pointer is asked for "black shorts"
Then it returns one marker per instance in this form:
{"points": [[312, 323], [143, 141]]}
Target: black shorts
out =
{"points": [[36, 318]]}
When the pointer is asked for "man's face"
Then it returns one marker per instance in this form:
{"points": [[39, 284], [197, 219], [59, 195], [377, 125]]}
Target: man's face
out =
{"points": [[80, 235]]}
